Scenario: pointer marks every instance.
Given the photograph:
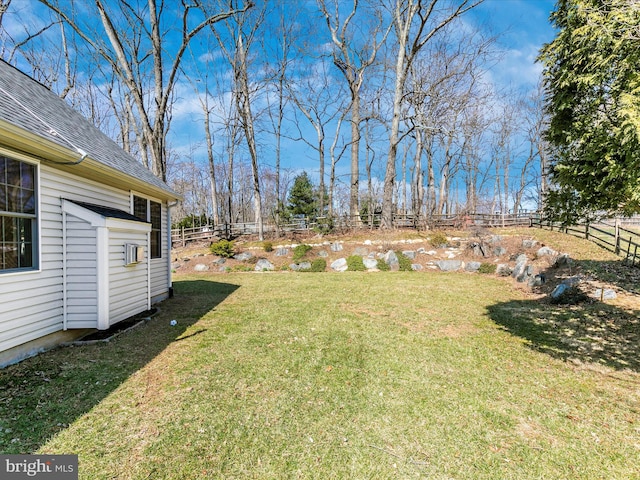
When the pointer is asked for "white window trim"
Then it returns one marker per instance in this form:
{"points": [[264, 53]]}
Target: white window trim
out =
{"points": [[38, 234]]}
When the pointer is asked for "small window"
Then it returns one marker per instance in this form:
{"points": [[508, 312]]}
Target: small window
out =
{"points": [[151, 212], [17, 215]]}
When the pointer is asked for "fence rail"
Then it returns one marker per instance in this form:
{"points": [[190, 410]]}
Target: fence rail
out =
{"points": [[345, 223], [611, 236]]}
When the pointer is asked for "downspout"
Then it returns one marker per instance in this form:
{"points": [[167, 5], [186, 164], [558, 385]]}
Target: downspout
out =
{"points": [[169, 280], [64, 270], [148, 271]]}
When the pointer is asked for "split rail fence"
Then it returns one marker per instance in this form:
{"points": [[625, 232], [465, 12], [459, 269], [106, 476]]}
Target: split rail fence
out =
{"points": [[181, 236], [609, 234]]}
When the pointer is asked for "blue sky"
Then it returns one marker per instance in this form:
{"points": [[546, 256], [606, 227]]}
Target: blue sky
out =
{"points": [[522, 27]]}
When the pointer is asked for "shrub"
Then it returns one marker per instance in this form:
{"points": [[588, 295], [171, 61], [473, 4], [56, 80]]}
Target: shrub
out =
{"points": [[438, 239], [383, 266], [487, 268], [268, 246], [223, 248], [300, 251], [318, 265], [405, 262], [355, 264]]}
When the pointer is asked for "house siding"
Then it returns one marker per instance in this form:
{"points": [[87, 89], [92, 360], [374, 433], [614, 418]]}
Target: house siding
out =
{"points": [[128, 286], [31, 302], [81, 281]]}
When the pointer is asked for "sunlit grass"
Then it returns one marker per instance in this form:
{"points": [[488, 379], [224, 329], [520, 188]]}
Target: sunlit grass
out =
{"points": [[354, 375]]}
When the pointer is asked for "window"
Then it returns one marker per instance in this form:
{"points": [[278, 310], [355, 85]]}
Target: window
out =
{"points": [[150, 211], [17, 214]]}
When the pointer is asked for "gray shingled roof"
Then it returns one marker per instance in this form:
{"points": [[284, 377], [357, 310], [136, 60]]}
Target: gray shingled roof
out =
{"points": [[30, 105], [108, 212]]}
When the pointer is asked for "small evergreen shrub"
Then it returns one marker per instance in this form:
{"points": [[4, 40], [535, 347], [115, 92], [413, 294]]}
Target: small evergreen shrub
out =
{"points": [[487, 268], [438, 239], [405, 262], [383, 266], [268, 246], [318, 265], [355, 264], [223, 248], [300, 251]]}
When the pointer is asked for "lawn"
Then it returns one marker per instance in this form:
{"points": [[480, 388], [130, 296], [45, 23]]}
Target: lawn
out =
{"points": [[352, 375]]}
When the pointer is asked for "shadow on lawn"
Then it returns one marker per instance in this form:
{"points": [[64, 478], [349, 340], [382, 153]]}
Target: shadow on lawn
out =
{"points": [[589, 332], [44, 394]]}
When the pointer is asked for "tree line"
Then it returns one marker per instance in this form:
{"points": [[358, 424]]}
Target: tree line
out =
{"points": [[392, 97]]}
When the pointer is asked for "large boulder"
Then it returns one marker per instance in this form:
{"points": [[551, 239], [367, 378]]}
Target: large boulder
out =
{"points": [[201, 267], [391, 259], [339, 265], [520, 269], [370, 263], [296, 267], [264, 265], [244, 256], [546, 251], [449, 265], [472, 266]]}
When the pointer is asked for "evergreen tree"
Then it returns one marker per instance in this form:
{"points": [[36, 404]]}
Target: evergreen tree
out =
{"points": [[302, 197], [592, 77]]}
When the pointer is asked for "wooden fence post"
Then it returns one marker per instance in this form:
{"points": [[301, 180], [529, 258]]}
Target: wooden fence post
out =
{"points": [[617, 236]]}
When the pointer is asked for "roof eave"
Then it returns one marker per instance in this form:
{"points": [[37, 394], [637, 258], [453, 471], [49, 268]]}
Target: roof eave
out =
{"points": [[71, 160]]}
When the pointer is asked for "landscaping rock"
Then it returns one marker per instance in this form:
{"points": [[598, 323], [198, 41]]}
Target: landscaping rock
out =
{"points": [[416, 267], [336, 247], [559, 290], [201, 267], [477, 249], [563, 259], [519, 271], [536, 280], [370, 263], [282, 252], [499, 251], [449, 265], [572, 281], [546, 251], [391, 259], [220, 261], [361, 251], [410, 254], [472, 266], [296, 267], [340, 265], [503, 270], [244, 256], [529, 243], [264, 264], [323, 254], [495, 239]]}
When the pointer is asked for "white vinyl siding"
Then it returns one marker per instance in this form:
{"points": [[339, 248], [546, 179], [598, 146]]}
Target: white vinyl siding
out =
{"points": [[160, 266], [128, 286], [81, 281], [31, 302]]}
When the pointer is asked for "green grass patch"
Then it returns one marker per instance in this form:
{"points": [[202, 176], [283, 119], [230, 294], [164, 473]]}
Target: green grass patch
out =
{"points": [[331, 376]]}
